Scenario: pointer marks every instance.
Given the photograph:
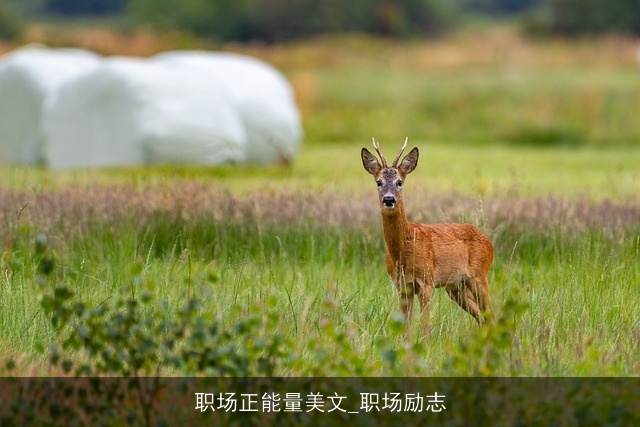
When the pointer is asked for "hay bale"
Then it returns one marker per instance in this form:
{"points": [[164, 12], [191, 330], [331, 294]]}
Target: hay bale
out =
{"points": [[262, 96], [28, 77], [133, 111]]}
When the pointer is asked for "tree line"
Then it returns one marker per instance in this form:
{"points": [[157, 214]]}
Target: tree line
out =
{"points": [[277, 20]]}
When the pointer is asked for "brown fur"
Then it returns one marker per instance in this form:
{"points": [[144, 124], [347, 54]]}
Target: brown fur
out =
{"points": [[421, 257]]}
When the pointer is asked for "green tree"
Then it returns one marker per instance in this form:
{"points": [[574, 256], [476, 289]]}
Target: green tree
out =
{"points": [[595, 16], [502, 7], [11, 26], [274, 20], [84, 7], [225, 20], [26, 7]]}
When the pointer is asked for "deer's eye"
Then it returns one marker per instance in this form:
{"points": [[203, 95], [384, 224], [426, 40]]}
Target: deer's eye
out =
{"points": [[399, 183], [379, 183]]}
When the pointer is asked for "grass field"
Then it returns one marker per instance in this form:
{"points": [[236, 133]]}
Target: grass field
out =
{"points": [[542, 156]]}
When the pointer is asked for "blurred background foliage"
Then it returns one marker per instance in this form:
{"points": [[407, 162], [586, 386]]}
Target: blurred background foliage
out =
{"points": [[279, 20]]}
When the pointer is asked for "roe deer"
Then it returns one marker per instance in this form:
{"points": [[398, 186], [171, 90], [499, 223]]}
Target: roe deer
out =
{"points": [[421, 257]]}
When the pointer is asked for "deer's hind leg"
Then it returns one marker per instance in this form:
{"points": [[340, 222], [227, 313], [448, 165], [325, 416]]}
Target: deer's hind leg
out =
{"points": [[481, 291], [464, 294]]}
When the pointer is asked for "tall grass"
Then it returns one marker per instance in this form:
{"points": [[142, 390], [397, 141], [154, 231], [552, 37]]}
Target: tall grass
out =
{"points": [[325, 278]]}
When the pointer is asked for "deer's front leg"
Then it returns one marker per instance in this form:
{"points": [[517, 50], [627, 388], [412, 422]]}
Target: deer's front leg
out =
{"points": [[424, 291], [406, 293]]}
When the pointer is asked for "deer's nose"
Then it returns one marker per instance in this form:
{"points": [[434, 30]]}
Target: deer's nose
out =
{"points": [[389, 201]]}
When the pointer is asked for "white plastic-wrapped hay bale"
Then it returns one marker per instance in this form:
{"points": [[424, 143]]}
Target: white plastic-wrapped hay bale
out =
{"points": [[28, 76], [263, 97], [131, 112]]}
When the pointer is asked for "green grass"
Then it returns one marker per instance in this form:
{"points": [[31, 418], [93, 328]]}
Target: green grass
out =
{"points": [[325, 278], [541, 154], [589, 172], [478, 106]]}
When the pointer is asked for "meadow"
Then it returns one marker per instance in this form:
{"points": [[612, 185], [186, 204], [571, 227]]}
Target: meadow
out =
{"points": [[535, 142]]}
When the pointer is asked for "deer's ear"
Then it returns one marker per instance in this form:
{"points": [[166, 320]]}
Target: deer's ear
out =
{"points": [[370, 163], [410, 161]]}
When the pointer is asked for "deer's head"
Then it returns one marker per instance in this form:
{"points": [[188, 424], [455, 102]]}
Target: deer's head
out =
{"points": [[389, 179]]}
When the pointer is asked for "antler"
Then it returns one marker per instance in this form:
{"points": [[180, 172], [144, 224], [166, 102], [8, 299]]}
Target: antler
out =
{"points": [[395, 161], [377, 147]]}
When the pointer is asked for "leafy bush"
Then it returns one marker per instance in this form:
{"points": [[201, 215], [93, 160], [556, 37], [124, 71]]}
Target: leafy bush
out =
{"points": [[487, 352], [143, 340], [137, 337]]}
